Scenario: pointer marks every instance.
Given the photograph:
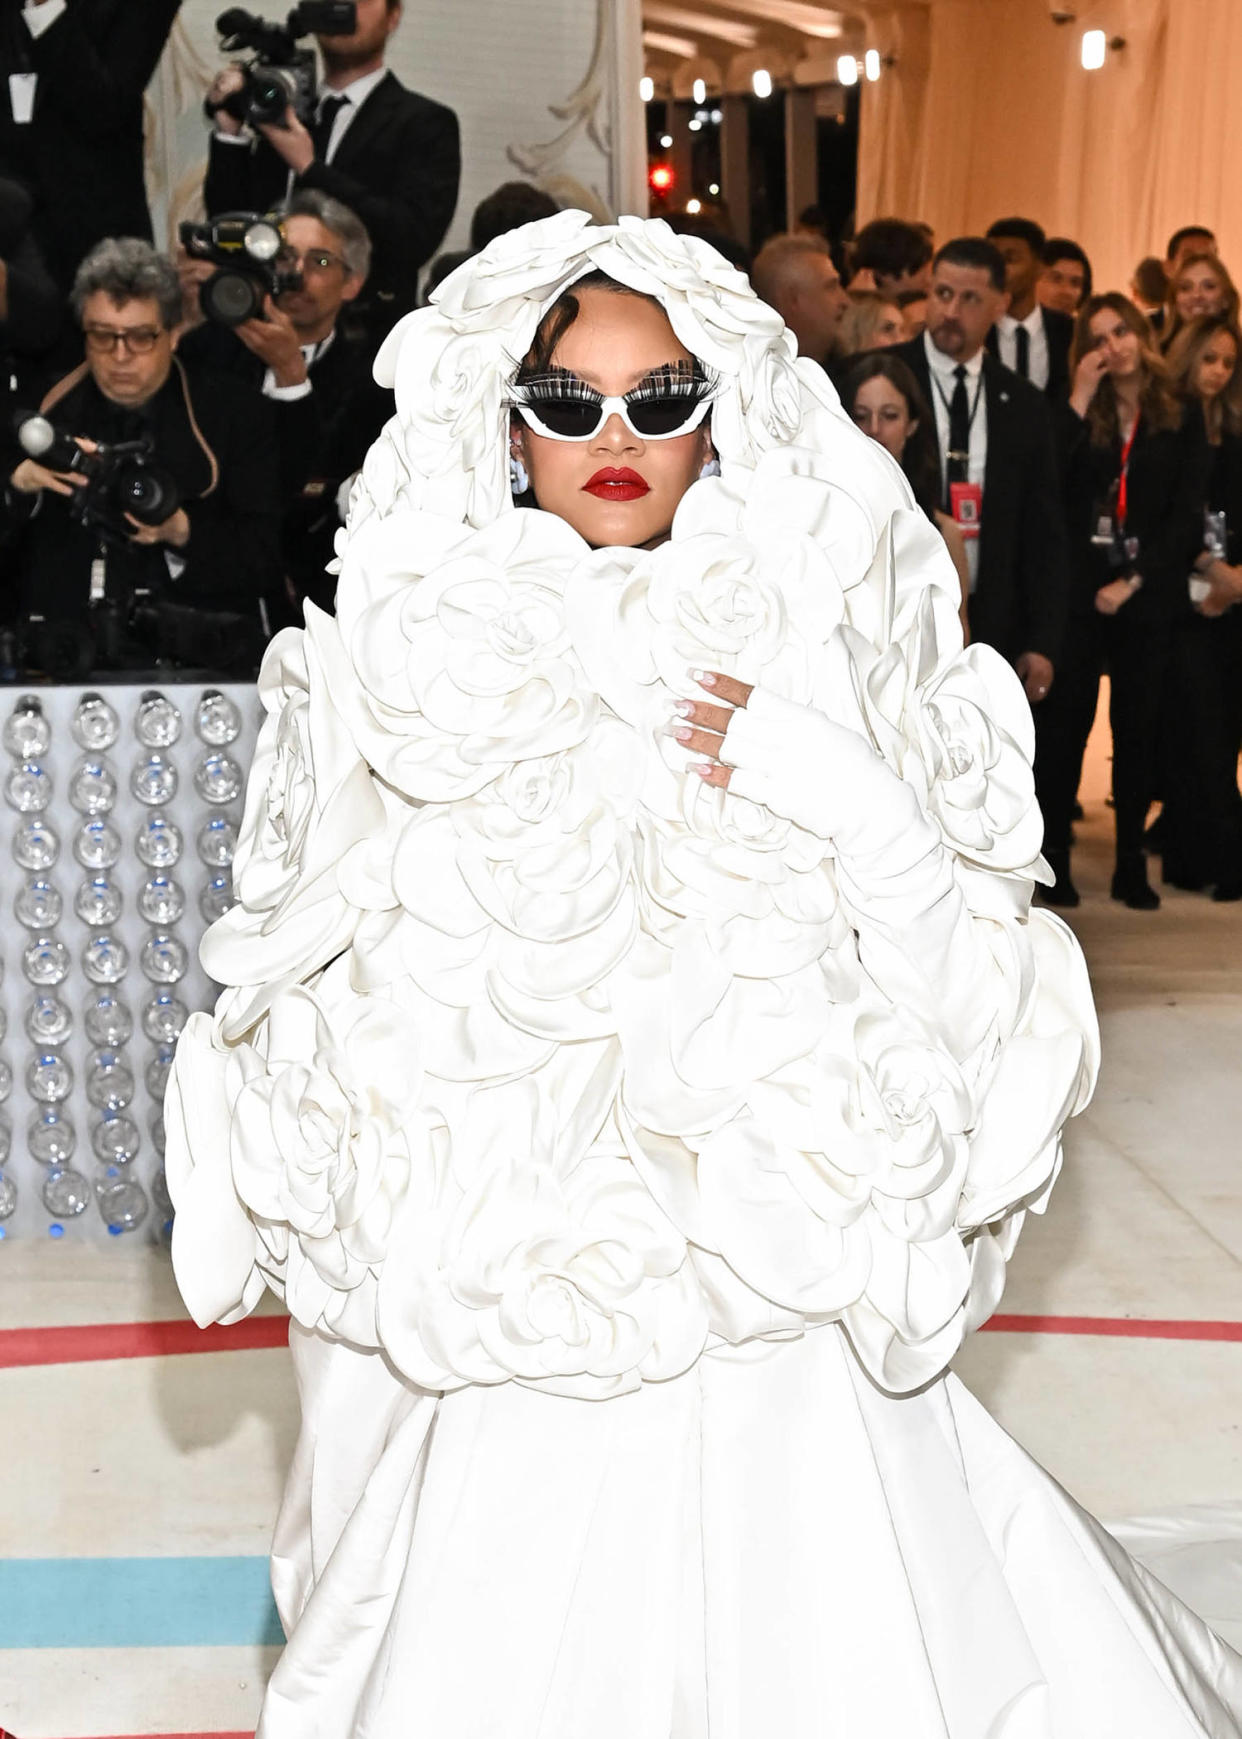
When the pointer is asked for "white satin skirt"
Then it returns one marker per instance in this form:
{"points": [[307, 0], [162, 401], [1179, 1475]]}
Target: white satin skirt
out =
{"points": [[765, 1548]]}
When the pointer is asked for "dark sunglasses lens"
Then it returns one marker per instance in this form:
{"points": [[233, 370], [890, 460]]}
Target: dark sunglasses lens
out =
{"points": [[567, 417], [662, 416]]}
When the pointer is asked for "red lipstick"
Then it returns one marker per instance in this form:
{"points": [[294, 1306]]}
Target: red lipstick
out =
{"points": [[612, 485]]}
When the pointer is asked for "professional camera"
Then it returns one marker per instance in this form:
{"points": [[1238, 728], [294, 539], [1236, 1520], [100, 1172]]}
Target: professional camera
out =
{"points": [[281, 75], [120, 479], [248, 250]]}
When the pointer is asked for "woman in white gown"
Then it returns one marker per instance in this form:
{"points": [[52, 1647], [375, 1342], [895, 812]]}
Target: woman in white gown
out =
{"points": [[635, 1084]]}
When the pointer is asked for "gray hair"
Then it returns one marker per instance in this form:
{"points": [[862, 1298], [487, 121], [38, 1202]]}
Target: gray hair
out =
{"points": [[345, 225], [128, 270]]}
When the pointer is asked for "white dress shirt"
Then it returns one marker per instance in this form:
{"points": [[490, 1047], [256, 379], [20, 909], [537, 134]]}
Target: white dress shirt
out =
{"points": [[310, 354], [1007, 344], [943, 380]]}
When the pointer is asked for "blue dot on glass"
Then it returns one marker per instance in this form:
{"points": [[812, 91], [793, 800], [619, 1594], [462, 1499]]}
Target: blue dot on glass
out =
{"points": [[114, 1231], [55, 1230]]}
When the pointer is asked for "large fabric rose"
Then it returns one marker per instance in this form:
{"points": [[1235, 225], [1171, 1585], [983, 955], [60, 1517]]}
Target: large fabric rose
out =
{"points": [[312, 810]]}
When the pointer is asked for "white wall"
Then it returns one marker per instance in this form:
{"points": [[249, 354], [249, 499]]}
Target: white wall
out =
{"points": [[541, 87]]}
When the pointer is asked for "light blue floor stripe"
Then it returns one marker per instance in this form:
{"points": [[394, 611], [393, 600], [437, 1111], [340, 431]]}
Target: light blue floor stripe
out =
{"points": [[136, 1603]]}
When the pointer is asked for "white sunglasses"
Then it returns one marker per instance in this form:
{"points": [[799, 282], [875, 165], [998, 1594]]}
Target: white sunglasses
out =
{"points": [[564, 408]]}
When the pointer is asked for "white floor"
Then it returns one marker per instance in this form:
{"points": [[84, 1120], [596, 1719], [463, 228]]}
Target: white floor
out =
{"points": [[182, 1457]]}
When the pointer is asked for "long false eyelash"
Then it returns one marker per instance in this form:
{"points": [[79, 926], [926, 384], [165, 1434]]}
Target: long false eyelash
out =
{"points": [[673, 380], [557, 383]]}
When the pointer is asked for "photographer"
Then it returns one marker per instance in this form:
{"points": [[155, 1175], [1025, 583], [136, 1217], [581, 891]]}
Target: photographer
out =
{"points": [[328, 407], [71, 117], [130, 585], [390, 155]]}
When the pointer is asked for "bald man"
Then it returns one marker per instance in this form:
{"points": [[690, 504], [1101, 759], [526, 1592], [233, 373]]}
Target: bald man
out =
{"points": [[795, 275]]}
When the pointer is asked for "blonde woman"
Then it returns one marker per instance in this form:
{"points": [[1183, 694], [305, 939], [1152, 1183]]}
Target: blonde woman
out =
{"points": [[871, 322], [1200, 286]]}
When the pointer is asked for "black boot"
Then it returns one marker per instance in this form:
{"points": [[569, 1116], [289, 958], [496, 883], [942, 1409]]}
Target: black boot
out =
{"points": [[1130, 883], [1062, 892]]}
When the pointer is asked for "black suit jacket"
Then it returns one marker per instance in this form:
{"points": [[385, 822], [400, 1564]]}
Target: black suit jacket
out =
{"points": [[81, 155], [398, 168], [1059, 333], [321, 439], [1020, 598]]}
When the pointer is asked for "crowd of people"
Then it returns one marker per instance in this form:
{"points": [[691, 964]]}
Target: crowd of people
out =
{"points": [[1081, 453], [176, 468]]}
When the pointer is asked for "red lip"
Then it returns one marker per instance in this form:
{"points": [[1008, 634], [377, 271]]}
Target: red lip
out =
{"points": [[612, 485]]}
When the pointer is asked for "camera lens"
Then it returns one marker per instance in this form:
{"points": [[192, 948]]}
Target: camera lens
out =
{"points": [[228, 298]]}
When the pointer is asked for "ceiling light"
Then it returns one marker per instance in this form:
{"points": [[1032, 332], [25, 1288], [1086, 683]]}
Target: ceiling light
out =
{"points": [[666, 141], [698, 90], [1094, 48], [847, 70], [871, 64], [646, 89], [762, 82], [696, 125]]}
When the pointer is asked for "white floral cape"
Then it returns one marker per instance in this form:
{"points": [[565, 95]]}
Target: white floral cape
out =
{"points": [[539, 1059]]}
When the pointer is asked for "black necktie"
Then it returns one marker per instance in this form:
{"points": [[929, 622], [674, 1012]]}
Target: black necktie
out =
{"points": [[959, 430], [321, 132], [1023, 359]]}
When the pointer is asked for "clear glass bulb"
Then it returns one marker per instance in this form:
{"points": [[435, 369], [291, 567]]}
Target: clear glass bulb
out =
{"points": [[115, 1139], [218, 719], [28, 788], [97, 845], [157, 1133], [109, 1081], [217, 778], [37, 904], [8, 1196], [158, 722], [154, 781], [159, 842], [98, 902], [48, 1022], [108, 1021], [123, 1204], [45, 961], [95, 726], [6, 1079], [27, 733], [51, 1137], [159, 1192], [164, 959], [164, 1018], [161, 900], [217, 897], [6, 1139], [217, 842], [36, 845], [66, 1194], [105, 959], [92, 787], [49, 1078]]}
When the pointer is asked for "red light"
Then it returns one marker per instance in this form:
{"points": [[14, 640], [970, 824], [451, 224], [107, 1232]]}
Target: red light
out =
{"points": [[661, 178]]}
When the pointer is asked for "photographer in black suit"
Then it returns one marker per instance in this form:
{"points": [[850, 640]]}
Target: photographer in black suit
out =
{"points": [[998, 472], [74, 73], [1032, 340], [187, 582], [390, 155], [328, 408]]}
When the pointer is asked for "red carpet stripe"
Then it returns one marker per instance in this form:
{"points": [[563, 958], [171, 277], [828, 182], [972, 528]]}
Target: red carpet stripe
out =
{"points": [[89, 1342], [85, 1343]]}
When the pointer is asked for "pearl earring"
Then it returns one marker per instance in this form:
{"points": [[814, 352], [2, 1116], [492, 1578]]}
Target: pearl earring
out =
{"points": [[519, 478]]}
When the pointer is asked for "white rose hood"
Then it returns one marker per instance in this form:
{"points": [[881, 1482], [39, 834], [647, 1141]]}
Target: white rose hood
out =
{"points": [[538, 1059]]}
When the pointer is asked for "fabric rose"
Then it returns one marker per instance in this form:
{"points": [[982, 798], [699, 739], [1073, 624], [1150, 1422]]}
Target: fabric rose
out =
{"points": [[563, 1276], [312, 810]]}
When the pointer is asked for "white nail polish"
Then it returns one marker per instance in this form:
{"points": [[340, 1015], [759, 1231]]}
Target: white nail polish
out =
{"points": [[683, 708]]}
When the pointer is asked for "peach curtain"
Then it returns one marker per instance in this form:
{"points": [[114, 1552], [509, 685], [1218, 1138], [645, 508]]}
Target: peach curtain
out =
{"points": [[988, 113]]}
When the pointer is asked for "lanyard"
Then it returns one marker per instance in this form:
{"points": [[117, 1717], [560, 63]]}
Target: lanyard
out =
{"points": [[1123, 480]]}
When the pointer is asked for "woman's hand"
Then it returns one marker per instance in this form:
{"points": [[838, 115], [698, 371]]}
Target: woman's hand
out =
{"points": [[1110, 598], [1087, 377], [701, 726]]}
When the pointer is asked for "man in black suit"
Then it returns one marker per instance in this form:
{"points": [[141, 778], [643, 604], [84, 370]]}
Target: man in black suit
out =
{"points": [[123, 588], [317, 376], [386, 153], [997, 464], [72, 77], [1032, 340]]}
